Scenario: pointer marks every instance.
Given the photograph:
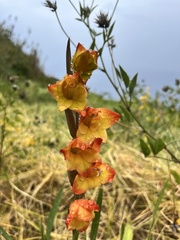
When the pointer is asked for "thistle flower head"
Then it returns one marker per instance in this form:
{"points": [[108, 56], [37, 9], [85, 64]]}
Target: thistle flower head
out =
{"points": [[102, 20], [177, 82], [165, 88]]}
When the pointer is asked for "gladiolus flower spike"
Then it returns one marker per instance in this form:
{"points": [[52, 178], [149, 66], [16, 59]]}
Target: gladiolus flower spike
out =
{"points": [[82, 153]]}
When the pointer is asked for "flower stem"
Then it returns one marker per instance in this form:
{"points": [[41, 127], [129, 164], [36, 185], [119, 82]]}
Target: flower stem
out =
{"points": [[62, 28]]}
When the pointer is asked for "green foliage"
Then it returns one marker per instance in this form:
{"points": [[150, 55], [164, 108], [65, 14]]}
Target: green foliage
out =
{"points": [[95, 223], [75, 235], [125, 77], [53, 212], [126, 114], [156, 145], [176, 176], [156, 208], [133, 84], [4, 234], [144, 147], [127, 232]]}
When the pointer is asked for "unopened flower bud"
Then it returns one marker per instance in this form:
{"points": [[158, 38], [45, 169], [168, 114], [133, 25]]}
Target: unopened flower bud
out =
{"points": [[165, 88], [177, 82], [52, 6]]}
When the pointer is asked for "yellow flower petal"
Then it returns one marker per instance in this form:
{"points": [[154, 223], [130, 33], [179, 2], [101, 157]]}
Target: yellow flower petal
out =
{"points": [[69, 93], [94, 122], [98, 174], [80, 156], [81, 213]]}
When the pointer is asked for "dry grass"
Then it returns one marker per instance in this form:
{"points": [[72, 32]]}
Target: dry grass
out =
{"points": [[33, 171], [135, 191]]}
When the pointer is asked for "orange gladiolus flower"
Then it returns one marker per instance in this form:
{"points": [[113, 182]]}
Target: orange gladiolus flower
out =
{"points": [[99, 174], [94, 122], [81, 213], [84, 62], [69, 93], [81, 156]]}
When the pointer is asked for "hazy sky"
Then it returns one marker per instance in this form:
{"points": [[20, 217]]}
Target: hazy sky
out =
{"points": [[147, 35]]}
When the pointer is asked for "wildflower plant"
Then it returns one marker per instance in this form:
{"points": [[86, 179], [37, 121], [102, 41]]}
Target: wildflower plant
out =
{"points": [[87, 126], [124, 86]]}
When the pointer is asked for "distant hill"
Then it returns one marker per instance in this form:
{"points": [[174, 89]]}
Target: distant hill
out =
{"points": [[14, 61]]}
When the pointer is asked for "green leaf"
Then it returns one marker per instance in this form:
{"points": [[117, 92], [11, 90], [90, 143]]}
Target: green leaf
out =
{"points": [[156, 208], [81, 9], [122, 230], [159, 145], [96, 34], [75, 234], [132, 84], [156, 145], [43, 235], [85, 238], [93, 44], [118, 73], [115, 109], [151, 144], [125, 77], [110, 29], [104, 36], [4, 234], [95, 223], [53, 212], [176, 176], [128, 232], [144, 147], [100, 51], [126, 113], [79, 19]]}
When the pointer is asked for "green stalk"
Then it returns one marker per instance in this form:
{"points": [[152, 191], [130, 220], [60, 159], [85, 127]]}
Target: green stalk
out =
{"points": [[62, 28], [4, 234]]}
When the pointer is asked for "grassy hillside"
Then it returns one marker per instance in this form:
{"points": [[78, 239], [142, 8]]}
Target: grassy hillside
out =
{"points": [[32, 132], [15, 62]]}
